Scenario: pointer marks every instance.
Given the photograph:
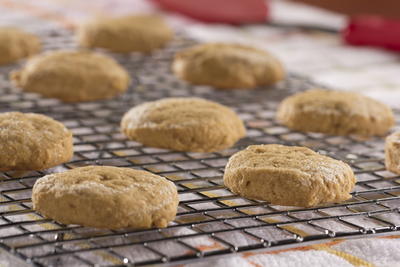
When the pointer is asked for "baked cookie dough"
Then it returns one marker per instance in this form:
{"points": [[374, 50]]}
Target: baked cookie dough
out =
{"points": [[139, 33], [227, 66], [16, 44], [335, 112], [106, 197], [73, 76], [392, 152], [288, 175], [31, 141], [183, 124]]}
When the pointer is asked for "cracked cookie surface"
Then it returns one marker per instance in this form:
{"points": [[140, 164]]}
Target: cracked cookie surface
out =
{"points": [[335, 112], [133, 33], [183, 124], [16, 44], [106, 197], [392, 152], [73, 76], [30, 141], [288, 175], [227, 66]]}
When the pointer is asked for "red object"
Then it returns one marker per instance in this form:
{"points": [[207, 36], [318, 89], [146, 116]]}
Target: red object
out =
{"points": [[221, 11], [373, 31]]}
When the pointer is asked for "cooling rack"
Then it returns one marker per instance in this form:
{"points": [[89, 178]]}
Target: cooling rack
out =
{"points": [[211, 221]]}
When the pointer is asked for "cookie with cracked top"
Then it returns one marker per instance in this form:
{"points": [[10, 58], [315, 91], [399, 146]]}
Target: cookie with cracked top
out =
{"points": [[106, 197], [183, 124], [335, 112], [30, 141], [227, 66], [288, 175]]}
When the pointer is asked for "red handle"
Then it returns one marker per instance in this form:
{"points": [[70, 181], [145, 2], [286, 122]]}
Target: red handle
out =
{"points": [[373, 31], [221, 11]]}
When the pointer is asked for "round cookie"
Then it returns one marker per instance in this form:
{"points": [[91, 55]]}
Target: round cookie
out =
{"points": [[227, 66], [31, 141], [392, 152], [183, 124], [73, 76], [139, 33], [16, 44], [288, 175], [335, 112], [106, 197]]}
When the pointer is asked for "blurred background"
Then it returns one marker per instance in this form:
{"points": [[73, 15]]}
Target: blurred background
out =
{"points": [[311, 37]]}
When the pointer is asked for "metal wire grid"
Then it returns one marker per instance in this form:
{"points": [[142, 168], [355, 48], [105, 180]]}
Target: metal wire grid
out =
{"points": [[211, 220]]}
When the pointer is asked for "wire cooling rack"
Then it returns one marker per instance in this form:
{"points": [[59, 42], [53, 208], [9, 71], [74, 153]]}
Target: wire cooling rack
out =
{"points": [[211, 220]]}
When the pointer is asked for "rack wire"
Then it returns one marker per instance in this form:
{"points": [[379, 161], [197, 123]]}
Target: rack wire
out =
{"points": [[211, 221]]}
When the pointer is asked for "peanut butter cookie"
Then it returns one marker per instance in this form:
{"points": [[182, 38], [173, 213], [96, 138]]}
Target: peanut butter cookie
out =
{"points": [[290, 176], [16, 44], [106, 197], [183, 124], [335, 112], [135, 33], [392, 152], [227, 66], [73, 76], [31, 141]]}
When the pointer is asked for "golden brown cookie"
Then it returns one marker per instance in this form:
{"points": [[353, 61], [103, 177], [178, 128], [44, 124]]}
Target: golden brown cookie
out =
{"points": [[31, 141], [227, 66], [288, 175], [335, 112], [73, 76], [16, 44], [183, 124], [392, 152], [106, 197], [135, 33]]}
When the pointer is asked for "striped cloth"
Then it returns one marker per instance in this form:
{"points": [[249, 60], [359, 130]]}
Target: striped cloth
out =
{"points": [[368, 252]]}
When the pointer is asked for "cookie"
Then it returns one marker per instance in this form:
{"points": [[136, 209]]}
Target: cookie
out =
{"points": [[72, 76], [16, 44], [106, 197], [392, 152], [288, 175], [227, 66], [336, 113], [31, 141], [138, 33], [183, 124]]}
